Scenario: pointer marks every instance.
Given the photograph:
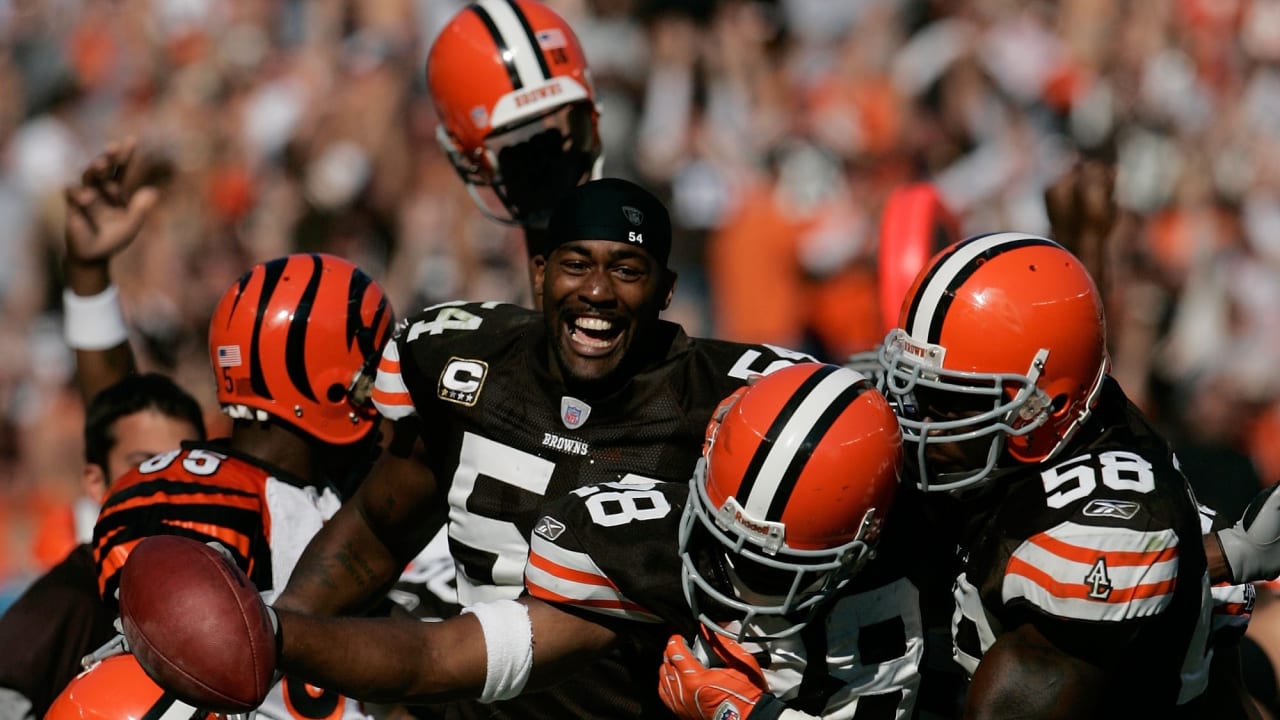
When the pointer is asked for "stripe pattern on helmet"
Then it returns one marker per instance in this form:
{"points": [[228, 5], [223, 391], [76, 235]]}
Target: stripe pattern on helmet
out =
{"points": [[933, 298], [169, 707], [295, 351], [514, 37], [784, 451]]}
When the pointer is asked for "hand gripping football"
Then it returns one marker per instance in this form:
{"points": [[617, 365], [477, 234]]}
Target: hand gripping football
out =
{"points": [[197, 625]]}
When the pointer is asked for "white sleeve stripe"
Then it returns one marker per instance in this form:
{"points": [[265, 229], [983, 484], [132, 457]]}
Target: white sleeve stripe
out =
{"points": [[1113, 539], [1066, 570], [1095, 573], [570, 559], [390, 383], [1017, 586], [563, 576], [390, 394]]}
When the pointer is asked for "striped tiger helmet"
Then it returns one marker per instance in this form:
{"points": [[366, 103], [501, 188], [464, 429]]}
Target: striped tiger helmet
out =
{"points": [[788, 500], [502, 73], [1000, 350], [293, 339]]}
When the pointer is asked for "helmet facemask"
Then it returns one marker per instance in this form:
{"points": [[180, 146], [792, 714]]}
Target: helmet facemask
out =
{"points": [[526, 168], [938, 406], [739, 572]]}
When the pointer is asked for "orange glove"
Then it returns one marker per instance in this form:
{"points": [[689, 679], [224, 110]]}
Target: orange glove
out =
{"points": [[695, 692]]}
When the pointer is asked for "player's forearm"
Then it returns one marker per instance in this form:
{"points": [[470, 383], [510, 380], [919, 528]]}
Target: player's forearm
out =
{"points": [[1219, 571], [343, 570], [385, 660], [1024, 676]]}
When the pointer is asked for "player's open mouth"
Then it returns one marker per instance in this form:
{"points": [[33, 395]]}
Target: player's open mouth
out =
{"points": [[593, 336]]}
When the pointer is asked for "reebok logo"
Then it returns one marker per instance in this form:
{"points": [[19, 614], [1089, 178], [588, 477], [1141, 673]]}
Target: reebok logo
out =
{"points": [[1122, 509], [549, 527]]}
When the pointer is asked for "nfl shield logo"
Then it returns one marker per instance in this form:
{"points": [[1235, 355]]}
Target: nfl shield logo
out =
{"points": [[727, 711], [634, 216], [573, 412]]}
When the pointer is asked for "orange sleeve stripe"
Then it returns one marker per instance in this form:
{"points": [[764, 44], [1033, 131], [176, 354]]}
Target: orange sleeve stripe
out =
{"points": [[233, 539], [228, 500], [567, 573], [1080, 590], [106, 540], [542, 593], [1117, 558], [110, 565], [387, 365], [383, 397]]}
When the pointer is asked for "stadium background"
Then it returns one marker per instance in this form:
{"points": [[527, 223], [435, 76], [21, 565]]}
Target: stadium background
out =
{"points": [[775, 130]]}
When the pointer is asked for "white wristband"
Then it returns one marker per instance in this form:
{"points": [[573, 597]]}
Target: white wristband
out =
{"points": [[94, 322], [508, 640]]}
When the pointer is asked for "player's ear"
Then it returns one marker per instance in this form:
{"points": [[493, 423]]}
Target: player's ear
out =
{"points": [[539, 273], [93, 480], [669, 281]]}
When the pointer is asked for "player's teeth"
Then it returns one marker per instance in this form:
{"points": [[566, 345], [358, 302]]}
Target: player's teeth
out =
{"points": [[597, 324], [586, 339]]}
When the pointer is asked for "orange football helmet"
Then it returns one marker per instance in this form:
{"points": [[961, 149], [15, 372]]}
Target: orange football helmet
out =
{"points": [[516, 104], [788, 500], [117, 689], [294, 339], [1000, 336]]}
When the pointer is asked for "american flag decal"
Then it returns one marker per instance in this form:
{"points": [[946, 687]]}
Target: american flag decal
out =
{"points": [[228, 356], [551, 39]]}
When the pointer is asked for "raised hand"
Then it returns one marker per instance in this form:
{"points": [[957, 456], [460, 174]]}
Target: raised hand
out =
{"points": [[105, 212], [107, 208], [1083, 214]]}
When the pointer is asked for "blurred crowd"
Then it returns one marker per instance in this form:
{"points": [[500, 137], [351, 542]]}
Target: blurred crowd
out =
{"points": [[774, 129]]}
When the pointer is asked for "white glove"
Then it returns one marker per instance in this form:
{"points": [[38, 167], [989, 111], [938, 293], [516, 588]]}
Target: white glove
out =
{"points": [[117, 645], [1251, 547]]}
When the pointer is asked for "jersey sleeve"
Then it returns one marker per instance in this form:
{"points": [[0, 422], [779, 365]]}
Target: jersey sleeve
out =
{"points": [[390, 394], [1077, 571], [608, 549], [1232, 604], [424, 360]]}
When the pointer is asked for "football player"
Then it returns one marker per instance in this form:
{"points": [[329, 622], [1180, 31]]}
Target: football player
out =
{"points": [[768, 544], [289, 345], [60, 617], [497, 410], [1083, 587]]}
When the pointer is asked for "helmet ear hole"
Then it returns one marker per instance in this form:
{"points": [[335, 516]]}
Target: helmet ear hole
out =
{"points": [[335, 393], [1058, 404]]}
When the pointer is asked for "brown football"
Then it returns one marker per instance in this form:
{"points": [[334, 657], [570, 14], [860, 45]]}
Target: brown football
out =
{"points": [[196, 624]]}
